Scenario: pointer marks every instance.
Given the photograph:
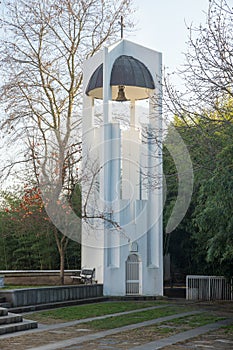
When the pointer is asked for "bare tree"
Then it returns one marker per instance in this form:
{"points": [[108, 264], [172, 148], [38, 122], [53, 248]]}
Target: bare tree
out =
{"points": [[42, 49], [207, 73]]}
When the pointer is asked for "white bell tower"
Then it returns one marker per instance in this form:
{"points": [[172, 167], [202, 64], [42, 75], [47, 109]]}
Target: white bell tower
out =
{"points": [[122, 169]]}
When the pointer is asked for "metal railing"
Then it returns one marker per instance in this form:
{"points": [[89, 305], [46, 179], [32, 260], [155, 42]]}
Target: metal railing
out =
{"points": [[208, 288]]}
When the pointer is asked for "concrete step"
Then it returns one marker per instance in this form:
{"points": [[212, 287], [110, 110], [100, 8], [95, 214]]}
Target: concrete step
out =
{"points": [[10, 318], [3, 311], [10, 322], [16, 327]]}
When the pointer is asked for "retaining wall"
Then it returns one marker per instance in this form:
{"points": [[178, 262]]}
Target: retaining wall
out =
{"points": [[49, 295]]}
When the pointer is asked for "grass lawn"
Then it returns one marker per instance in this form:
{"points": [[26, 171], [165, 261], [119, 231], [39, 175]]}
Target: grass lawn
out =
{"points": [[139, 335], [137, 317], [80, 312], [142, 334], [194, 321], [228, 329], [167, 328]]}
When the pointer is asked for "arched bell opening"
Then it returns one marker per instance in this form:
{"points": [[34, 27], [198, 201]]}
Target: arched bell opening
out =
{"points": [[130, 113]]}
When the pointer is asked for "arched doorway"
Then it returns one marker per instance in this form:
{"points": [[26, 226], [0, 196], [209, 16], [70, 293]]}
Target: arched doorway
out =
{"points": [[133, 275]]}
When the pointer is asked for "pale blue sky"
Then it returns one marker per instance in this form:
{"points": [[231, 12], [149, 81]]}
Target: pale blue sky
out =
{"points": [[162, 26]]}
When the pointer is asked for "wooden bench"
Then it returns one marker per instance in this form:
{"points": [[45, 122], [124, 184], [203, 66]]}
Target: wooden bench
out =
{"points": [[86, 276]]}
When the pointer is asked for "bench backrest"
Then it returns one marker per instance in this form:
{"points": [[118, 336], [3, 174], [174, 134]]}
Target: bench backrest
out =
{"points": [[87, 273]]}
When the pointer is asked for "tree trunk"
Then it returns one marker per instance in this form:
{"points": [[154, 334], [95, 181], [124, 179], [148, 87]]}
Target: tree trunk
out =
{"points": [[61, 245], [62, 266]]}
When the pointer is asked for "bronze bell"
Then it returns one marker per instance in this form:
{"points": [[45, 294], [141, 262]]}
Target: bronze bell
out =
{"points": [[121, 94]]}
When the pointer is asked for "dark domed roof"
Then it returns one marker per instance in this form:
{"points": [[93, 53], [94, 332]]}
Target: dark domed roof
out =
{"points": [[96, 80], [127, 71]]}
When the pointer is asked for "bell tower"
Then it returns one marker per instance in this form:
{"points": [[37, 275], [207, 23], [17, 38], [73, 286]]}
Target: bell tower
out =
{"points": [[122, 169]]}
